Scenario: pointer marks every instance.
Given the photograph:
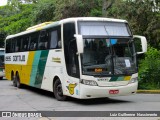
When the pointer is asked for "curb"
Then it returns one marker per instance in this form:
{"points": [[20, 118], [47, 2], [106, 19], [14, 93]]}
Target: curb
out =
{"points": [[149, 91]]}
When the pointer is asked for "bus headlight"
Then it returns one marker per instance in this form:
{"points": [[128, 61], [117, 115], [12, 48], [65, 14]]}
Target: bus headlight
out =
{"points": [[133, 80], [89, 82]]}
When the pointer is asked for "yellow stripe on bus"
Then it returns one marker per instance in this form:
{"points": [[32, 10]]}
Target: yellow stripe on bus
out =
{"points": [[27, 69], [127, 78]]}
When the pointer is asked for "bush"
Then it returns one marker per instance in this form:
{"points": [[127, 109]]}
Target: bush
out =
{"points": [[149, 70]]}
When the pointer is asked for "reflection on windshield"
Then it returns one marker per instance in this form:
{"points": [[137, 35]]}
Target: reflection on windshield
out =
{"points": [[108, 56]]}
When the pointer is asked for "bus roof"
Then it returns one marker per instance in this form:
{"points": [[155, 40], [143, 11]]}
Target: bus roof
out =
{"points": [[51, 24], [92, 19]]}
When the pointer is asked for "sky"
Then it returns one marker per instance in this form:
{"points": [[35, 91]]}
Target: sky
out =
{"points": [[3, 2]]}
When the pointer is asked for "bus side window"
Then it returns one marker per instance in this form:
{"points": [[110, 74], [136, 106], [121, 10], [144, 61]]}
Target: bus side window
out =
{"points": [[21, 42], [18, 45], [43, 41], [25, 43], [13, 45], [8, 46], [33, 41], [55, 38]]}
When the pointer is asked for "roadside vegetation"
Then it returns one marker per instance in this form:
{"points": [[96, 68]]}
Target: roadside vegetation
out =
{"points": [[143, 17]]}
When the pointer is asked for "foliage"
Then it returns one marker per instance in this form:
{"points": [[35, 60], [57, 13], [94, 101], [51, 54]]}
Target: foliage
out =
{"points": [[143, 17], [13, 21], [43, 11], [16, 22], [149, 70], [76, 8]]}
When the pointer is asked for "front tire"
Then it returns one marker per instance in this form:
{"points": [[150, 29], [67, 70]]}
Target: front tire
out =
{"points": [[58, 91]]}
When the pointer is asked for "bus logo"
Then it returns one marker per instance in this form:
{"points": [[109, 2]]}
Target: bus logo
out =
{"points": [[58, 60], [71, 88]]}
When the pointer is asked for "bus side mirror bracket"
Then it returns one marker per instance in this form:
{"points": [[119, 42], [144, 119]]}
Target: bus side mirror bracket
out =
{"points": [[80, 45], [143, 43]]}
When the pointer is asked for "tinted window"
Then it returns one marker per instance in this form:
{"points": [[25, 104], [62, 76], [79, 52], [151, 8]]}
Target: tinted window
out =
{"points": [[33, 41], [18, 44], [50, 38], [55, 37], [25, 44], [8, 46], [70, 47], [13, 45], [43, 41]]}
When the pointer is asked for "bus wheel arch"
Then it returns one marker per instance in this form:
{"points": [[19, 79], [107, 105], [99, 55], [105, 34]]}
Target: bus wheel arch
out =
{"points": [[57, 89]]}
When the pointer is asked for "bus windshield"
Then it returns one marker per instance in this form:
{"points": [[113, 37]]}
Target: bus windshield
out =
{"points": [[104, 56], [88, 28]]}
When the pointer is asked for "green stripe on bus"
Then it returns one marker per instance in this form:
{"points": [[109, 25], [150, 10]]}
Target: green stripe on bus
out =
{"points": [[117, 79], [35, 67], [113, 79], [41, 67], [120, 79]]}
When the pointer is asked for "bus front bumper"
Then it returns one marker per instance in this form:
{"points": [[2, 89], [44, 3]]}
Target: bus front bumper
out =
{"points": [[87, 91]]}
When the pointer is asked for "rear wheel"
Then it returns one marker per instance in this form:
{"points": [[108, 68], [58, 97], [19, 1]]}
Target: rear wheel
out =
{"points": [[19, 85], [58, 91], [1, 78], [14, 80]]}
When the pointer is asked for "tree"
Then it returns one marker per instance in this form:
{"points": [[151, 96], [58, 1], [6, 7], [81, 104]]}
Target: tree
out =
{"points": [[72, 8], [15, 4], [106, 5], [43, 11], [142, 17], [149, 70], [14, 23]]}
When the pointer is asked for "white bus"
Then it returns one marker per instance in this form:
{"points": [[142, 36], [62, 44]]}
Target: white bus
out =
{"points": [[84, 57]]}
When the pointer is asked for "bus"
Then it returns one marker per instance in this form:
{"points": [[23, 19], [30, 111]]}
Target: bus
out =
{"points": [[82, 57], [2, 71]]}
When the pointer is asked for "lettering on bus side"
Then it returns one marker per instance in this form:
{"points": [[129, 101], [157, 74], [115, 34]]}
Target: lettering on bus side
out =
{"points": [[19, 58], [8, 58]]}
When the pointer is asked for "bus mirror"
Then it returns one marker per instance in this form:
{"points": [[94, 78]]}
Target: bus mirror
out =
{"points": [[140, 44], [80, 45]]}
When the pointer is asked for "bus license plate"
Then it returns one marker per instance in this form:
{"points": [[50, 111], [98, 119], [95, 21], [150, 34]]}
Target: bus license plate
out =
{"points": [[113, 91]]}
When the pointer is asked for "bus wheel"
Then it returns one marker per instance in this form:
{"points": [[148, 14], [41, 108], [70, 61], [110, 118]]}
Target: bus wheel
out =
{"points": [[14, 81], [18, 81], [58, 92]]}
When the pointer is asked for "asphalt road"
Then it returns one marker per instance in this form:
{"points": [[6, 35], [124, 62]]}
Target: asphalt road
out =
{"points": [[31, 99]]}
